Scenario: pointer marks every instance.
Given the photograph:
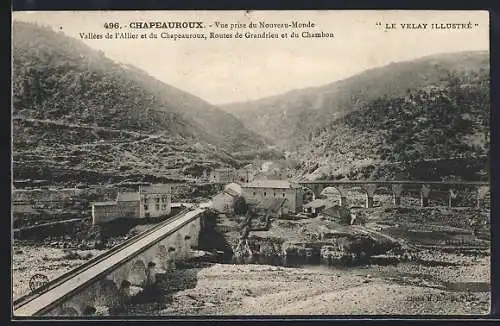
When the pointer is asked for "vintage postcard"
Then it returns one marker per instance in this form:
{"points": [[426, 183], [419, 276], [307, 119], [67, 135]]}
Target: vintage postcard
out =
{"points": [[233, 163]]}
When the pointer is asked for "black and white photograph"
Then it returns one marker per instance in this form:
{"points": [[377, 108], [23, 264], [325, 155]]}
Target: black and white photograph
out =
{"points": [[250, 163]]}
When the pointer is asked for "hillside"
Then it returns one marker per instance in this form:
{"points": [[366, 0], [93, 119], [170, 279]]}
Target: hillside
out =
{"points": [[291, 119], [77, 111], [437, 132]]}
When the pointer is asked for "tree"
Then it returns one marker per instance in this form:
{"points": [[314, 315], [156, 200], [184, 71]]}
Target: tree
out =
{"points": [[240, 206]]}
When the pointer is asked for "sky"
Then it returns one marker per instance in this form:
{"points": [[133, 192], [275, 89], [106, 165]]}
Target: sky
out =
{"points": [[234, 70]]}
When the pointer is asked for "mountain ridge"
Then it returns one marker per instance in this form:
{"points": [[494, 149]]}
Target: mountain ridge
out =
{"points": [[296, 111], [157, 96], [440, 132], [75, 108]]}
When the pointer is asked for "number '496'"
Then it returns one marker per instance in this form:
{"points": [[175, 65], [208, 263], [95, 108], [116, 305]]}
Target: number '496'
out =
{"points": [[111, 25]]}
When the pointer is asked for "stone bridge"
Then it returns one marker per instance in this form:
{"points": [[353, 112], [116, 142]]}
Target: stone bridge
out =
{"points": [[398, 188], [107, 279]]}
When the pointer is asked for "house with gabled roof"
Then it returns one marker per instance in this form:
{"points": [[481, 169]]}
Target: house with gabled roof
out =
{"points": [[316, 206], [224, 201]]}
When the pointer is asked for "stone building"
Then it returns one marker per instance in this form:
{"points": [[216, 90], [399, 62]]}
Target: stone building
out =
{"points": [[316, 206], [103, 212], [265, 192], [223, 175], [149, 201], [247, 173], [224, 201], [155, 200]]}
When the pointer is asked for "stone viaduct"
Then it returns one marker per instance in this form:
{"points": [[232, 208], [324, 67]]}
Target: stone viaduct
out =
{"points": [[398, 189]]}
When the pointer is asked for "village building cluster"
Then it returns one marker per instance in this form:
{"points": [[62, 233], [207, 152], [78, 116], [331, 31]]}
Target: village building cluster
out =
{"points": [[267, 170], [267, 189], [264, 187]]}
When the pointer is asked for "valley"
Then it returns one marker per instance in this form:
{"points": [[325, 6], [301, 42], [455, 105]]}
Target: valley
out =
{"points": [[87, 130], [380, 124]]}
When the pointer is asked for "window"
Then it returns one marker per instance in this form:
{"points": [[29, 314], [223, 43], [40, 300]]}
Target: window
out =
{"points": [[265, 194], [157, 206], [254, 193], [157, 200], [164, 207], [274, 194], [146, 207], [283, 194]]}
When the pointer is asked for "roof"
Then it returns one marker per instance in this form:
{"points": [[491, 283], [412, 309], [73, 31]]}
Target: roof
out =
{"points": [[274, 184], [105, 203], [233, 188], [316, 203], [231, 192], [222, 196]]}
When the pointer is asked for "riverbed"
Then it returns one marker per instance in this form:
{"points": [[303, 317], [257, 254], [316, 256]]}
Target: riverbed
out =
{"points": [[440, 283]]}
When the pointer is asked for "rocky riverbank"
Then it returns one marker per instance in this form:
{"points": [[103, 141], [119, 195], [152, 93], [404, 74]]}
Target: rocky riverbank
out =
{"points": [[397, 232]]}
